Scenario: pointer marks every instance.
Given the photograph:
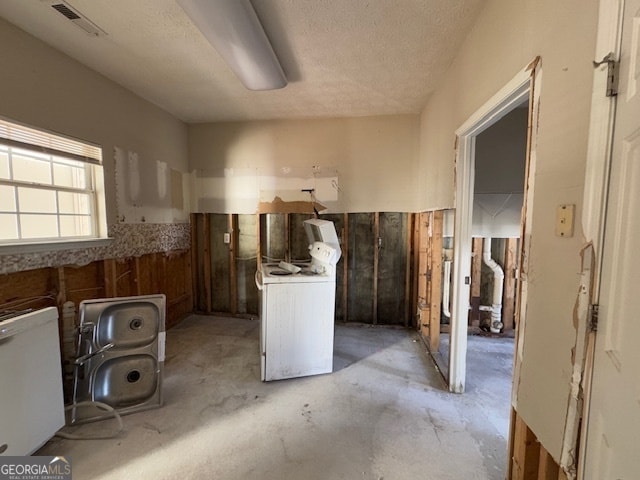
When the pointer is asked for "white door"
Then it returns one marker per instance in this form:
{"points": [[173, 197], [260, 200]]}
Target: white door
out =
{"points": [[612, 451]]}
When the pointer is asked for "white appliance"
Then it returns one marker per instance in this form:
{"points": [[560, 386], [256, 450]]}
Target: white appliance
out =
{"points": [[31, 399], [297, 309]]}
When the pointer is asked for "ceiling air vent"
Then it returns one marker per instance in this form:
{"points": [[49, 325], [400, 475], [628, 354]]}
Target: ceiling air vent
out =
{"points": [[66, 11], [77, 18]]}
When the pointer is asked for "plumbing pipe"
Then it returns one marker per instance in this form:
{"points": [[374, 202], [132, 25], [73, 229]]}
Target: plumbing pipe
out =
{"points": [[498, 282], [445, 289]]}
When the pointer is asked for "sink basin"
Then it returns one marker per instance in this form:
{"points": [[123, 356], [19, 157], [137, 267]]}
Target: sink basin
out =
{"points": [[127, 323], [120, 356], [125, 381]]}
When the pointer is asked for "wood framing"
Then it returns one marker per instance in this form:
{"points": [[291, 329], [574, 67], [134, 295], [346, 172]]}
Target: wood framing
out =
{"points": [[415, 252], [435, 283], [529, 459], [526, 452], [424, 220], [509, 291], [548, 469]]}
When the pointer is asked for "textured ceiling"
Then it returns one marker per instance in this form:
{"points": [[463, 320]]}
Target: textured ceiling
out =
{"points": [[342, 57]]}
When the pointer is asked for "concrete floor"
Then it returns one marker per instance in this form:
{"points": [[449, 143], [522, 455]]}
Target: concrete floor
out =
{"points": [[383, 414]]}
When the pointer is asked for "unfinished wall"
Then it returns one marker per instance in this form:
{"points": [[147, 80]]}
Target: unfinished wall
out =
{"points": [[354, 164], [169, 274], [507, 36], [373, 276]]}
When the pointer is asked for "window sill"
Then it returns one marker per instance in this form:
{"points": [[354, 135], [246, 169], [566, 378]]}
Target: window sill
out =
{"points": [[35, 247]]}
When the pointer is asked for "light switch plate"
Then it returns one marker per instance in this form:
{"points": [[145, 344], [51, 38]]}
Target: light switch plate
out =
{"points": [[565, 220], [227, 238]]}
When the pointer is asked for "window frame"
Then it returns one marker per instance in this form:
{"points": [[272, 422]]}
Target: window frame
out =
{"points": [[30, 142]]}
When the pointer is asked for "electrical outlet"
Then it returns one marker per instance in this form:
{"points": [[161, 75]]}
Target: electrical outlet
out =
{"points": [[227, 238]]}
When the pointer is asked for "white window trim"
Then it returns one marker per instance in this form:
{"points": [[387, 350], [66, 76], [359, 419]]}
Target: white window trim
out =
{"points": [[53, 245], [18, 135]]}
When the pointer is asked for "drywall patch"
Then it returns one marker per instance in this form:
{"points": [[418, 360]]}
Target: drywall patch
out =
{"points": [[177, 190], [251, 190], [148, 191], [132, 240]]}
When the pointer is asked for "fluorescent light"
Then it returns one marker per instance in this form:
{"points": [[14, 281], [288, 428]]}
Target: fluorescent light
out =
{"points": [[233, 28]]}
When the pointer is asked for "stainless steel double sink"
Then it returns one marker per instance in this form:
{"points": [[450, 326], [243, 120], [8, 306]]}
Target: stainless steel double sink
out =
{"points": [[120, 356]]}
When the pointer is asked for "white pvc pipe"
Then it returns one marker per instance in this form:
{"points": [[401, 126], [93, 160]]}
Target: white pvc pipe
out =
{"points": [[498, 283], [445, 288]]}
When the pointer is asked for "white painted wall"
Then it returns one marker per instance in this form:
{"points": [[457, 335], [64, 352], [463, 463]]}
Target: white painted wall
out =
{"points": [[362, 164], [507, 36], [42, 87]]}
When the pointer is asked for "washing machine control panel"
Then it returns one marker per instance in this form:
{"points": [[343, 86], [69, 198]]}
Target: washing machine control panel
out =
{"points": [[323, 253]]}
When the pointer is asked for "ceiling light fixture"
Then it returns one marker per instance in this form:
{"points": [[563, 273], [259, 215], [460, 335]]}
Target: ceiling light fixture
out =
{"points": [[234, 30]]}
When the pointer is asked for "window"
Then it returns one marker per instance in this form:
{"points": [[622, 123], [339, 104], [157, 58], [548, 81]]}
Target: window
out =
{"points": [[50, 187]]}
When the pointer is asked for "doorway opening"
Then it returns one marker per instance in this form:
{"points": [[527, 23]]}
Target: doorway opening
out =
{"points": [[498, 198]]}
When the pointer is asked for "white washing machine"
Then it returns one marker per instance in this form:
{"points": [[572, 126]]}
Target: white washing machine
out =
{"points": [[297, 309]]}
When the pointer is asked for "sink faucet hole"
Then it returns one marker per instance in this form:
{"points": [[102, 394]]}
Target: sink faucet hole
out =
{"points": [[133, 376], [135, 324]]}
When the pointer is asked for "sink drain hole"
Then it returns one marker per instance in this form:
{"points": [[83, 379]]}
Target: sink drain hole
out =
{"points": [[135, 324], [133, 376]]}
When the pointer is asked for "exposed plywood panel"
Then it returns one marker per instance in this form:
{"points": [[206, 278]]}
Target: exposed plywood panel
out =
{"points": [[125, 279], [206, 262], [282, 233], [176, 286], [361, 255], [341, 286], [298, 242], [87, 282], [28, 289], [246, 264], [377, 240], [110, 277], [392, 262], [230, 237], [49, 286], [408, 270], [220, 264]]}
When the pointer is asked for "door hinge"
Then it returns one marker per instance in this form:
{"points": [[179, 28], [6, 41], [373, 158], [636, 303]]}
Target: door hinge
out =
{"points": [[613, 66], [593, 317]]}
